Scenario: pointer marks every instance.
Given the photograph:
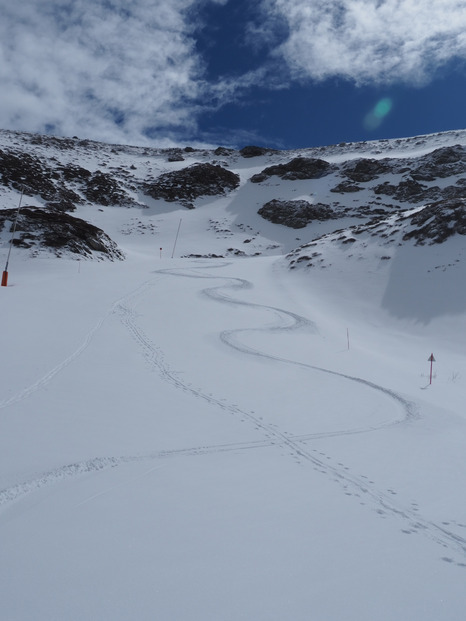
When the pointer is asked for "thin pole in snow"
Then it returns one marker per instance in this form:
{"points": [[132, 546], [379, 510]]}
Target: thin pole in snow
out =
{"points": [[347, 336], [431, 359], [176, 238], [5, 272]]}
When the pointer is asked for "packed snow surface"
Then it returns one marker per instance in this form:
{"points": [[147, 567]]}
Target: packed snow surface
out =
{"points": [[228, 439]]}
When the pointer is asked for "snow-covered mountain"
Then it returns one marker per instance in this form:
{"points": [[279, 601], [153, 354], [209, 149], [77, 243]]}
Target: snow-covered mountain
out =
{"points": [[230, 413], [309, 192]]}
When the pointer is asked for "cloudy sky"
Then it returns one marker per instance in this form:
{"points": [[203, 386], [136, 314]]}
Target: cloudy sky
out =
{"points": [[282, 73]]}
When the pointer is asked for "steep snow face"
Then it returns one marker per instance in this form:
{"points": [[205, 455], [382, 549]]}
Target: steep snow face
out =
{"points": [[237, 437]]}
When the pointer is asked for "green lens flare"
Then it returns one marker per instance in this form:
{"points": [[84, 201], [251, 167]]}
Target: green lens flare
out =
{"points": [[375, 117], [383, 107]]}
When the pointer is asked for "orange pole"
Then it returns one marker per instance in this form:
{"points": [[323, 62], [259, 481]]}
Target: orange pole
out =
{"points": [[4, 278]]}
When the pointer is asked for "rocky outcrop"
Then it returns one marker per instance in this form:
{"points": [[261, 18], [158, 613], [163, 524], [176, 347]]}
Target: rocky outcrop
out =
{"points": [[253, 151], [104, 189], [189, 183], [60, 233], [295, 214], [437, 222], [27, 173], [406, 191], [441, 163], [346, 187], [298, 168], [364, 169]]}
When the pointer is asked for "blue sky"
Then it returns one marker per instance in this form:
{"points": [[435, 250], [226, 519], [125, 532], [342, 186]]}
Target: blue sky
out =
{"points": [[281, 73]]}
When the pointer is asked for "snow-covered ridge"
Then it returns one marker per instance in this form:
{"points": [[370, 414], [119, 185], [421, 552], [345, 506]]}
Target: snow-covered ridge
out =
{"points": [[349, 182]]}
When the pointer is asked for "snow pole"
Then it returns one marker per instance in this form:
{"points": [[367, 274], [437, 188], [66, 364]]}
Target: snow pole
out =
{"points": [[347, 336], [5, 271], [176, 238], [431, 359]]}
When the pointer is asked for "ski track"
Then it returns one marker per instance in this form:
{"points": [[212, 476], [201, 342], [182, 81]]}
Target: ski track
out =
{"points": [[287, 321], [48, 377]]}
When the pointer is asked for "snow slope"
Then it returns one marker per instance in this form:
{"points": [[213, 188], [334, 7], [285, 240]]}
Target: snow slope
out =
{"points": [[203, 439]]}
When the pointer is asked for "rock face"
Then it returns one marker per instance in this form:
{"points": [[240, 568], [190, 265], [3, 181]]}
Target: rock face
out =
{"points": [[363, 170], [253, 151], [298, 168], [27, 173], [59, 232], [192, 182], [441, 163], [295, 214], [104, 189], [437, 222], [406, 191]]}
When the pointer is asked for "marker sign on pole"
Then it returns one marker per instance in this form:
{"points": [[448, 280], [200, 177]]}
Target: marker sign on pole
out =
{"points": [[431, 359]]}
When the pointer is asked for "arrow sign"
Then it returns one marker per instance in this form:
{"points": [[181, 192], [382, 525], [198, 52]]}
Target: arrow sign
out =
{"points": [[431, 359]]}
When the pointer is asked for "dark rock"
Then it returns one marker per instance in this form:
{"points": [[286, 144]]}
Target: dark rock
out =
{"points": [[58, 232], [437, 222], [346, 187], [441, 163], [455, 191], [175, 156], [27, 173], [104, 189], [298, 168], [295, 214], [192, 182], [223, 152], [73, 172], [407, 191], [253, 151], [363, 170], [64, 200]]}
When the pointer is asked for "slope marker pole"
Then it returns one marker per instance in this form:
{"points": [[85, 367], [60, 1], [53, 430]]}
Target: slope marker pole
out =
{"points": [[4, 282], [431, 359]]}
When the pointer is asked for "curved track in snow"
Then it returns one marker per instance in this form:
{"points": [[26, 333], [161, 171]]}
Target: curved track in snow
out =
{"points": [[288, 321], [273, 437]]}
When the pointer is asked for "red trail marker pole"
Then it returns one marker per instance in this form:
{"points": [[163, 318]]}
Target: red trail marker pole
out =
{"points": [[431, 359], [5, 271]]}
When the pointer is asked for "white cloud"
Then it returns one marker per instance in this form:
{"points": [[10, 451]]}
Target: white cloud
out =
{"points": [[117, 71], [78, 66], [379, 41]]}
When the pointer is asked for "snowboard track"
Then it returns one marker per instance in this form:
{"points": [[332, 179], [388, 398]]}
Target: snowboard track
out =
{"points": [[297, 445], [289, 321]]}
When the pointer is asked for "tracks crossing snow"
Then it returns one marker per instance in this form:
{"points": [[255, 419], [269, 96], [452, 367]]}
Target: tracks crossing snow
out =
{"points": [[297, 445]]}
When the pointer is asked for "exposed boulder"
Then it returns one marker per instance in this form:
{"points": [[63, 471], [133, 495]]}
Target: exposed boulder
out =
{"points": [[189, 183], [58, 232], [298, 168], [437, 222], [295, 214]]}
